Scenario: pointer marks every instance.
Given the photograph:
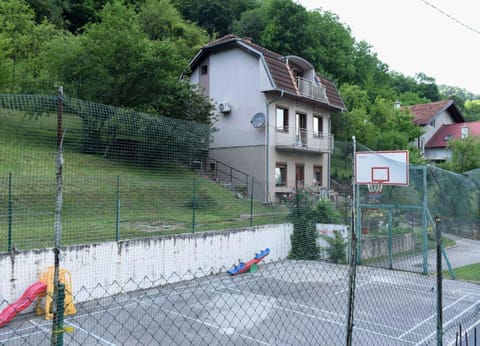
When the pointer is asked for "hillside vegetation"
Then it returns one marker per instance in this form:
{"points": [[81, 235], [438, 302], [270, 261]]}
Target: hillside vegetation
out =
{"points": [[163, 199]]}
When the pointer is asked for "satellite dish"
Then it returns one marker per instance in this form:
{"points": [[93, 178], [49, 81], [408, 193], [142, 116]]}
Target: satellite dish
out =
{"points": [[258, 120]]}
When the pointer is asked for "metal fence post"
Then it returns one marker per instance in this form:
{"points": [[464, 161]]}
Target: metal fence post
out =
{"points": [[117, 226], [194, 203], [390, 240], [58, 211], [439, 282], [10, 213], [251, 203], [59, 316]]}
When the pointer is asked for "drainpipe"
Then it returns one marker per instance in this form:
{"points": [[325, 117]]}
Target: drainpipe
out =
{"points": [[267, 148]]}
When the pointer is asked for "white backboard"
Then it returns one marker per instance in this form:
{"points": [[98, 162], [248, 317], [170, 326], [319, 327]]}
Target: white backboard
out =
{"points": [[384, 167]]}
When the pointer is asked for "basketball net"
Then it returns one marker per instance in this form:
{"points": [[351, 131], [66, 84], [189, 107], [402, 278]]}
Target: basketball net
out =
{"points": [[375, 190]]}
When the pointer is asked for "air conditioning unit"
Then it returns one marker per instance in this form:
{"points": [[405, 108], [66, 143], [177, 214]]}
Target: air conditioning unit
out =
{"points": [[224, 107]]}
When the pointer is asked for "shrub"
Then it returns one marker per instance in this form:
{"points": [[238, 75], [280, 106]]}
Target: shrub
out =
{"points": [[303, 217], [336, 251]]}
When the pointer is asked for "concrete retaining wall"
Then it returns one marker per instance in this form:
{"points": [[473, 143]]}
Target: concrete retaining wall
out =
{"points": [[374, 247], [107, 268]]}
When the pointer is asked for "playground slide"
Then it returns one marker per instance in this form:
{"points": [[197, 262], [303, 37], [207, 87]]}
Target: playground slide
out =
{"points": [[22, 303], [242, 267]]}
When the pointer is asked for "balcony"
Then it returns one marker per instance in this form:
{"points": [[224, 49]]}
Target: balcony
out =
{"points": [[311, 90], [293, 139]]}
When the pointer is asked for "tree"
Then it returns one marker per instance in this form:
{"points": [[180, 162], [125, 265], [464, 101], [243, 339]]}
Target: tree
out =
{"points": [[25, 44], [304, 237], [72, 15], [285, 31], [215, 16], [160, 20], [465, 155]]}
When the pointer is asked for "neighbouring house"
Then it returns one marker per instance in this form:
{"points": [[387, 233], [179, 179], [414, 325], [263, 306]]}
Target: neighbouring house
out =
{"points": [[437, 147], [273, 115], [432, 117]]}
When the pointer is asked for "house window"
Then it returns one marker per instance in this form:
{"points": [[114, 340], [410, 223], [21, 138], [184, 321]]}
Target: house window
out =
{"points": [[432, 123], [299, 175], [204, 69], [421, 145], [317, 125], [282, 119], [317, 175], [281, 174], [464, 132]]}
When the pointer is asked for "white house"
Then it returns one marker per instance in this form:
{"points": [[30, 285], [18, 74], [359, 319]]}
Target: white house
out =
{"points": [[273, 114], [432, 117]]}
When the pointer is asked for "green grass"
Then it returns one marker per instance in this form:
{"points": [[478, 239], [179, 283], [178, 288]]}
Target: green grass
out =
{"points": [[153, 200], [470, 272]]}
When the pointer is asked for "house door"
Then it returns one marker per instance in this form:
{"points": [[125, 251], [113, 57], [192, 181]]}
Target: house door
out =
{"points": [[299, 176], [301, 129]]}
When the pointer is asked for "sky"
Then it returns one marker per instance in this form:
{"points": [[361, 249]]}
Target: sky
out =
{"points": [[411, 36]]}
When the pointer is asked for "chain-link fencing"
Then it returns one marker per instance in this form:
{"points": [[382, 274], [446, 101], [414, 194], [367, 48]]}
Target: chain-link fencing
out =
{"points": [[156, 243]]}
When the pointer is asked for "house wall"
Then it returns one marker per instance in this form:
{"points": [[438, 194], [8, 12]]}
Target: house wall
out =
{"points": [[291, 158], [444, 118], [241, 79], [438, 154], [237, 77], [248, 159]]}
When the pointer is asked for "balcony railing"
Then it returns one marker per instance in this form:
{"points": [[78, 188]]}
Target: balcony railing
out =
{"points": [[312, 90], [303, 140]]}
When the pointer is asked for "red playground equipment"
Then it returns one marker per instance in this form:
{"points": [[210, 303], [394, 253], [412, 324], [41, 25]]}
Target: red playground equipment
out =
{"points": [[32, 292], [251, 265]]}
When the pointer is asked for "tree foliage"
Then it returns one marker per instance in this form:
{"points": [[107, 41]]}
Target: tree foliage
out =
{"points": [[465, 155], [131, 54]]}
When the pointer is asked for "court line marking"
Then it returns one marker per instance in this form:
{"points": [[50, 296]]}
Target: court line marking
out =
{"points": [[99, 338], [445, 325], [206, 324], [321, 318], [318, 309], [467, 331], [433, 316], [35, 326], [356, 286], [429, 292], [342, 324]]}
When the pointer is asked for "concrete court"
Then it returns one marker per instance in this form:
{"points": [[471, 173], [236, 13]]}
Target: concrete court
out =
{"points": [[284, 303]]}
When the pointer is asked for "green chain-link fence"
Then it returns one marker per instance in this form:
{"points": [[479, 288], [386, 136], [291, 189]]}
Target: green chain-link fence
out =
{"points": [[151, 226]]}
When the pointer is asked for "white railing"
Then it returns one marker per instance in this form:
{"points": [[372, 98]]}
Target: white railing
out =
{"points": [[312, 90], [298, 139]]}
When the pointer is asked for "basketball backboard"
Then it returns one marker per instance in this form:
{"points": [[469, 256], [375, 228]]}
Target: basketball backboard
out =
{"points": [[381, 167]]}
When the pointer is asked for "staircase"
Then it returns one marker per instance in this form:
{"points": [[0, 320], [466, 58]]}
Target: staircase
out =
{"points": [[227, 176]]}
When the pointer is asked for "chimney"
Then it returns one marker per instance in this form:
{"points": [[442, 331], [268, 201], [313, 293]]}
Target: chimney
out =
{"points": [[396, 105]]}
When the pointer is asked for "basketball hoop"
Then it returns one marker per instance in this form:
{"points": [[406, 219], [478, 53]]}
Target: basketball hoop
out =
{"points": [[375, 190]]}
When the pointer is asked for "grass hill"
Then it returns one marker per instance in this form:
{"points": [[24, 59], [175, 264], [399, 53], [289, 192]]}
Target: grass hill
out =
{"points": [[103, 198]]}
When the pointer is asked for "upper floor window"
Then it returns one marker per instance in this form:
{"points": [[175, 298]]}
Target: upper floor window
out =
{"points": [[282, 119], [464, 132], [432, 123], [317, 125], [204, 69]]}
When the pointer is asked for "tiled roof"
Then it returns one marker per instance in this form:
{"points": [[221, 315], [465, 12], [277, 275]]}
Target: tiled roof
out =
{"points": [[450, 132], [424, 113], [280, 71]]}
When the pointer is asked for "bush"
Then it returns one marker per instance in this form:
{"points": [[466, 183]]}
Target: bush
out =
{"points": [[303, 217], [306, 209], [336, 251]]}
